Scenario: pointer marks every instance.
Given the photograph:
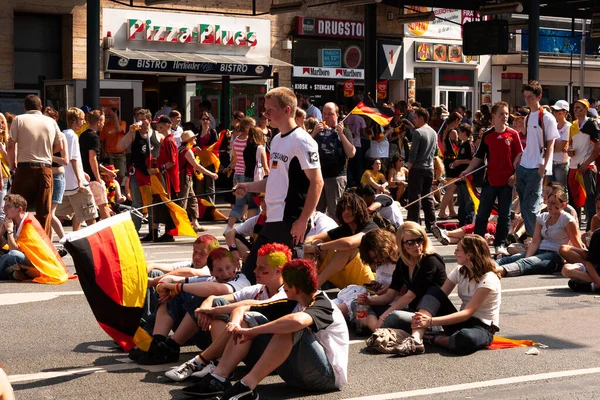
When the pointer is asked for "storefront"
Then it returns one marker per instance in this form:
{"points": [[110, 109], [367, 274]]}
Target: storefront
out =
{"points": [[187, 58], [437, 71], [328, 58]]}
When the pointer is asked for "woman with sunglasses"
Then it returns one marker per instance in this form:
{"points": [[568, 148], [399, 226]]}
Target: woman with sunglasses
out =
{"points": [[478, 286], [206, 137], [418, 268]]}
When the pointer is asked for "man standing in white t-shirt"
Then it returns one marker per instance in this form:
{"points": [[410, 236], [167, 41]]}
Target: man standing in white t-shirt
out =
{"points": [[535, 161], [560, 159], [294, 185]]}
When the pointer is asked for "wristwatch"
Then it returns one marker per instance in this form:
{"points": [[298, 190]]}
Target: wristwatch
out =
{"points": [[233, 247], [9, 232]]}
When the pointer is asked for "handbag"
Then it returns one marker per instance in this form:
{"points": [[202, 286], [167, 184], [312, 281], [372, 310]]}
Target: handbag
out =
{"points": [[259, 171]]}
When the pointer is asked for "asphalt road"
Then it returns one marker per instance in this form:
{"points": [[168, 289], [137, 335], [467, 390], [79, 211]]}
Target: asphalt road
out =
{"points": [[53, 349]]}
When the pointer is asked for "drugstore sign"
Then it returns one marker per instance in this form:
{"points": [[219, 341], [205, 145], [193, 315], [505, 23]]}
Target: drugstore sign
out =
{"points": [[204, 34]]}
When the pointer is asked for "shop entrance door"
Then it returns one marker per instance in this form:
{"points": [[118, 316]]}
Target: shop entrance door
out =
{"points": [[454, 97]]}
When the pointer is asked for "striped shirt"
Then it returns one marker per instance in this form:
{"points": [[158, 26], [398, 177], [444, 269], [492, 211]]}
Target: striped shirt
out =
{"points": [[238, 146]]}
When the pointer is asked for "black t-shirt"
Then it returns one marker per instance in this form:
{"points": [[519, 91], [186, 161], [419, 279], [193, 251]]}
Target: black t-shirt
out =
{"points": [[465, 152], [430, 271], [89, 140], [250, 159], [345, 231], [331, 153]]}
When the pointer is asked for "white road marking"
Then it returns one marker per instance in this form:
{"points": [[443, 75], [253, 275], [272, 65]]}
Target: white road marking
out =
{"points": [[480, 384], [19, 298]]}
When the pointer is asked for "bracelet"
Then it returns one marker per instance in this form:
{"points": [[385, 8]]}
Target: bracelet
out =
{"points": [[181, 288], [187, 280], [176, 289]]}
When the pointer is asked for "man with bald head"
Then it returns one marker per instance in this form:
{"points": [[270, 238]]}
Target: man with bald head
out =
{"points": [[335, 148]]}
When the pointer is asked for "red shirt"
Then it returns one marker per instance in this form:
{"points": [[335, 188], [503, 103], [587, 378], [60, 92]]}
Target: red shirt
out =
{"points": [[501, 149], [184, 164], [169, 153]]}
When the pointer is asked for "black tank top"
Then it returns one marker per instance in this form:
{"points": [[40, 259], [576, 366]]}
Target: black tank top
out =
{"points": [[140, 151], [55, 165]]}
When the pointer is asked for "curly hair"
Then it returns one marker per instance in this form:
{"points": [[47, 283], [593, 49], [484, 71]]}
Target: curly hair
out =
{"points": [[302, 275], [277, 254], [358, 207], [382, 243], [478, 251]]}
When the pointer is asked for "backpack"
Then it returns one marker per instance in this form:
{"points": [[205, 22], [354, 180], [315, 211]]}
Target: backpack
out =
{"points": [[383, 222], [386, 340]]}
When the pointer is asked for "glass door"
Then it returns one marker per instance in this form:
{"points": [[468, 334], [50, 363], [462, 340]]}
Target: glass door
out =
{"points": [[454, 97]]}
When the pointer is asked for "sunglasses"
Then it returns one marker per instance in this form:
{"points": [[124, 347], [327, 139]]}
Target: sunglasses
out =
{"points": [[205, 119], [412, 242]]}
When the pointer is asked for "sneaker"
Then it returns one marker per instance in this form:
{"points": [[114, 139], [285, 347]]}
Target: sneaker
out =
{"points": [[501, 251], [409, 347], [207, 388], [184, 371], [166, 238], [239, 391], [161, 353], [207, 369], [580, 286], [440, 234], [62, 252], [135, 354]]}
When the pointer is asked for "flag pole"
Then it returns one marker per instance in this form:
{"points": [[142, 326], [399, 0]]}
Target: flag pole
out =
{"points": [[442, 187]]}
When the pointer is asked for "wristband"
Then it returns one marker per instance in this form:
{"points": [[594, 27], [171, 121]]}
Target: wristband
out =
{"points": [[181, 288], [319, 246]]}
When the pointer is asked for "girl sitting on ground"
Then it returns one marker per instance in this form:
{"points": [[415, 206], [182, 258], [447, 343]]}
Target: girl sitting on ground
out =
{"points": [[473, 327], [419, 267], [553, 228], [375, 178], [397, 177]]}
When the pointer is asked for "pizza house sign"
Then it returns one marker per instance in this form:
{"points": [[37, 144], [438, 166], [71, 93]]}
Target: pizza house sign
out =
{"points": [[204, 34]]}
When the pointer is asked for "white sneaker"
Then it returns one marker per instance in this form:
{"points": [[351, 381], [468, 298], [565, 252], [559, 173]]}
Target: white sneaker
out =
{"points": [[501, 251], [207, 369], [184, 371]]}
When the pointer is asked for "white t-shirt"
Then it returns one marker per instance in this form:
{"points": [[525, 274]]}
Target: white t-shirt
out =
{"points": [[583, 145], [177, 134], [532, 154], [562, 157], [379, 149], [258, 292], [390, 209], [189, 264], [489, 311], [74, 154], [320, 223], [556, 235], [238, 283], [246, 228], [287, 185], [384, 273]]}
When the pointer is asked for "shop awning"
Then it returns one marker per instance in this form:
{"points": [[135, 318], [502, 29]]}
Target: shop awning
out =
{"points": [[155, 62]]}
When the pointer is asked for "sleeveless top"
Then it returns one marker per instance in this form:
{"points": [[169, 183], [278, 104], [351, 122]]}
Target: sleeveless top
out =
{"points": [[140, 152], [184, 165], [55, 165]]}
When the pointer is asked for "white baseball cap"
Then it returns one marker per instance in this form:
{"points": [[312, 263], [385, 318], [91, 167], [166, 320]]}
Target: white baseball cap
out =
{"points": [[561, 105]]}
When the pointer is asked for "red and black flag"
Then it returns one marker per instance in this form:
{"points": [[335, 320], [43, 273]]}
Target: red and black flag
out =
{"points": [[111, 266], [207, 211], [383, 115]]}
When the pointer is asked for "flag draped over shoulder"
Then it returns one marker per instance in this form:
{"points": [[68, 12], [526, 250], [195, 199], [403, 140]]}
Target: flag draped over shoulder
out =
{"points": [[210, 156], [183, 227], [38, 249], [111, 266], [383, 116]]}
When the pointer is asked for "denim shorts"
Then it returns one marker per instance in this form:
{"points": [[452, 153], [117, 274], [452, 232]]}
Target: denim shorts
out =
{"points": [[58, 189]]}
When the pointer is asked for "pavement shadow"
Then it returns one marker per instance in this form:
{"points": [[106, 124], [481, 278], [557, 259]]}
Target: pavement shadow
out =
{"points": [[102, 347], [48, 382], [563, 292]]}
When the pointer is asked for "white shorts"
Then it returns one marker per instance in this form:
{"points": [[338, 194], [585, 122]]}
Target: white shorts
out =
{"points": [[580, 267]]}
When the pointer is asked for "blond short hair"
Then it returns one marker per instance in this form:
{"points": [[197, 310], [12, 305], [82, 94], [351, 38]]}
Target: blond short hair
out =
{"points": [[72, 114], [284, 97], [417, 230]]}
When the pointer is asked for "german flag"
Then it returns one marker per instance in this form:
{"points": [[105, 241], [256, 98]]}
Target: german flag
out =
{"points": [[209, 156], [183, 227], [475, 196], [208, 212], [383, 116], [577, 187], [111, 266], [500, 342], [38, 249]]}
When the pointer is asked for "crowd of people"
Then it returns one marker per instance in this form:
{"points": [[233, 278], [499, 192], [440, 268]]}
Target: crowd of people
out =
{"points": [[313, 218]]}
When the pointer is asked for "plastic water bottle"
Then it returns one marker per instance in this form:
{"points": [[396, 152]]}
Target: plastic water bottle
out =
{"points": [[361, 319]]}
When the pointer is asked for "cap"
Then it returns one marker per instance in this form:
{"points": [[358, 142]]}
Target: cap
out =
{"points": [[561, 105], [593, 111], [187, 135], [110, 168], [162, 119], [585, 102], [86, 109]]}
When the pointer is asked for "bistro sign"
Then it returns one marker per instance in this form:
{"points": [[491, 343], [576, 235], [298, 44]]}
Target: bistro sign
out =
{"points": [[146, 30]]}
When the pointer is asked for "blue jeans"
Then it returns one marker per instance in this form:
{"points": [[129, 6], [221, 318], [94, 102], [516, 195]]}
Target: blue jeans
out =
{"points": [[466, 208], [238, 207], [489, 194], [307, 366], [529, 188], [560, 173], [542, 262], [13, 257], [399, 319]]}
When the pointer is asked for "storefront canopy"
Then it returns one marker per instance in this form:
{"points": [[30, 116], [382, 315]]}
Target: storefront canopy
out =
{"points": [[151, 62]]}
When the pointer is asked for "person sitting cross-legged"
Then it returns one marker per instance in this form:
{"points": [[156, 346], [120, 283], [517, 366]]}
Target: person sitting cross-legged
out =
{"points": [[214, 312], [304, 339]]}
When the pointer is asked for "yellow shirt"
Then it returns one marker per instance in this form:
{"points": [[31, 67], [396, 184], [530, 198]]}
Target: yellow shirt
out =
{"points": [[379, 178]]}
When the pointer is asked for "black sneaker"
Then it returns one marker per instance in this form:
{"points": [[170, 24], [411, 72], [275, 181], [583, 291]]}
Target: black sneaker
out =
{"points": [[207, 388], [239, 391], [162, 353], [136, 353], [580, 286], [62, 252], [166, 238], [150, 236]]}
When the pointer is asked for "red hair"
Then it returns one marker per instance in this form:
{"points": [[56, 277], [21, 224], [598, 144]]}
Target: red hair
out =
{"points": [[218, 254], [302, 275], [277, 254], [210, 240]]}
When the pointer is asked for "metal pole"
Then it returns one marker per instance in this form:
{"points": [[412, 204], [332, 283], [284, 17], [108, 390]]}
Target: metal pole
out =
{"points": [[371, 50], [533, 68], [582, 61], [93, 54]]}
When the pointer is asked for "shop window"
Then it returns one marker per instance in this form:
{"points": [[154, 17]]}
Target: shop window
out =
{"points": [[424, 83], [588, 93], [551, 94], [456, 77], [37, 49]]}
